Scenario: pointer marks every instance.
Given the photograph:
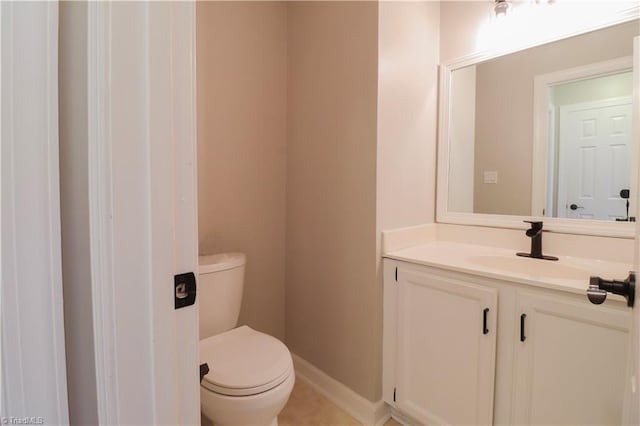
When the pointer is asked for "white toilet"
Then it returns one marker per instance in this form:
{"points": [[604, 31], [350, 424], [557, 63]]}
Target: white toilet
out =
{"points": [[250, 373]]}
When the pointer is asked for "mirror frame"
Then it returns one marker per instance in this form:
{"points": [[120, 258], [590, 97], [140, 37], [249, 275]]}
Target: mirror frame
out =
{"points": [[560, 225]]}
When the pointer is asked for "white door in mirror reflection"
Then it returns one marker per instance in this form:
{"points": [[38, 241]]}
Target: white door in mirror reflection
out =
{"points": [[594, 159]]}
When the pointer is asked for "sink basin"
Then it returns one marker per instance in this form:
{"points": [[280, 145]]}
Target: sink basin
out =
{"points": [[528, 266]]}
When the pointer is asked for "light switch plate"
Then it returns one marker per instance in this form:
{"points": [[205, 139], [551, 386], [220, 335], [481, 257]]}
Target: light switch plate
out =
{"points": [[490, 177]]}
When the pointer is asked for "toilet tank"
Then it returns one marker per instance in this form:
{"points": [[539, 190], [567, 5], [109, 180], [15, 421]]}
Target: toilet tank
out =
{"points": [[220, 284]]}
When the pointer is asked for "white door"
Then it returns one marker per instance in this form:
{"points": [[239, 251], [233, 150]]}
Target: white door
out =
{"points": [[33, 384], [594, 159], [632, 393], [446, 349], [143, 209]]}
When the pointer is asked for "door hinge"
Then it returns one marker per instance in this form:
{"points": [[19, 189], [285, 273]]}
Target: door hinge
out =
{"points": [[394, 394], [396, 274]]}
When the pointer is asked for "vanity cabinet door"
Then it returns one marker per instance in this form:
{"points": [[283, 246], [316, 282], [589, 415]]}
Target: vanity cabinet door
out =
{"points": [[445, 360], [570, 364]]}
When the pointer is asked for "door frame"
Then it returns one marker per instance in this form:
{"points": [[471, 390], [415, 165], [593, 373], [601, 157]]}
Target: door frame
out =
{"points": [[631, 410], [142, 202], [541, 126]]}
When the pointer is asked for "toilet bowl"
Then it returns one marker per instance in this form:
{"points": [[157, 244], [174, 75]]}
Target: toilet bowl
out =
{"points": [[250, 378], [250, 373]]}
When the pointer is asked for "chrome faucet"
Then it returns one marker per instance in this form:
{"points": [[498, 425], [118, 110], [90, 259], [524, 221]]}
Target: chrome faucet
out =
{"points": [[535, 233]]}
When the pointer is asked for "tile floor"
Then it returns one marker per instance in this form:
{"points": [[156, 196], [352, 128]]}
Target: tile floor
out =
{"points": [[306, 407]]}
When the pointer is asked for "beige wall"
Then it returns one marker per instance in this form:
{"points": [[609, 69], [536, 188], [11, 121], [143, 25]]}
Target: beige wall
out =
{"points": [[333, 305], [504, 112], [74, 213], [323, 58], [241, 95], [407, 109], [460, 23]]}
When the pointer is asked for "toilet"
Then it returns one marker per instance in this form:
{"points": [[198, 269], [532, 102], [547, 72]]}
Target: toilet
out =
{"points": [[250, 373]]}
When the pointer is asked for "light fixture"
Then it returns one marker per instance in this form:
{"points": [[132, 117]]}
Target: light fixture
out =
{"points": [[501, 7]]}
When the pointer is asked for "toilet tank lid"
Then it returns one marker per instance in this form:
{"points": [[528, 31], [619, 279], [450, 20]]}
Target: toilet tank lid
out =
{"points": [[220, 262]]}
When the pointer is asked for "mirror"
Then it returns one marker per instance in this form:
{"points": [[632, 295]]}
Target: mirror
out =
{"points": [[544, 131]]}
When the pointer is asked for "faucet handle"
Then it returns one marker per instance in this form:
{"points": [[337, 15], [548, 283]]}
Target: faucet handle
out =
{"points": [[536, 228], [535, 224]]}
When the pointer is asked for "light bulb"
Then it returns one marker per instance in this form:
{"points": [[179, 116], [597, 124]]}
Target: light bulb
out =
{"points": [[501, 7]]}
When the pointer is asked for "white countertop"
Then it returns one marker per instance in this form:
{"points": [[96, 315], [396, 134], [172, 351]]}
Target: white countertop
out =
{"points": [[567, 274]]}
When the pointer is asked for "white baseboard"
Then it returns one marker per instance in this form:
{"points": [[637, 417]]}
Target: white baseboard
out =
{"points": [[366, 412], [402, 418]]}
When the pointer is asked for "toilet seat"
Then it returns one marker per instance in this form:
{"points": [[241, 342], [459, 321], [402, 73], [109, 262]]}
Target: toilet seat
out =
{"points": [[244, 362]]}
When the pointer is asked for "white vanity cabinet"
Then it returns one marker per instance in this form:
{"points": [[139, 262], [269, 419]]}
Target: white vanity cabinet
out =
{"points": [[444, 364], [570, 361], [446, 343]]}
